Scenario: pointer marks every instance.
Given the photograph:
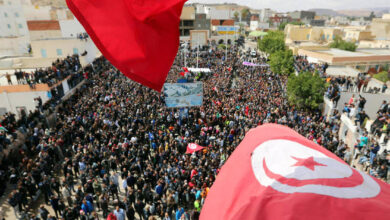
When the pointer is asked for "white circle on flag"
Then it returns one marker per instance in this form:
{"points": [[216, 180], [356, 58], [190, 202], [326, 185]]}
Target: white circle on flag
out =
{"points": [[192, 146], [285, 159]]}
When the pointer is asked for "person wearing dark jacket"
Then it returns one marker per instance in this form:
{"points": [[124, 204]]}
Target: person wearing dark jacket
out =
{"points": [[139, 208]]}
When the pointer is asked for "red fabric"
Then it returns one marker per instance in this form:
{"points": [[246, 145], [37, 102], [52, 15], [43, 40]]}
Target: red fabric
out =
{"points": [[192, 147], [185, 69], [182, 74], [140, 38], [111, 216], [272, 189]]}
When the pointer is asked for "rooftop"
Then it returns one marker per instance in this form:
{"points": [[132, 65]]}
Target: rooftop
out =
{"points": [[358, 53], [43, 25]]}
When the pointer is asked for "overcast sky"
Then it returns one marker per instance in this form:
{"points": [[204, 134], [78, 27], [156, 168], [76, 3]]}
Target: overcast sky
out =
{"points": [[291, 5]]}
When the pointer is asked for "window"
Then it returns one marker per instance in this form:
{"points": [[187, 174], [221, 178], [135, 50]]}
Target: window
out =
{"points": [[75, 51], [327, 37], [333, 37], [43, 53], [20, 25], [5, 14], [59, 52], [9, 26], [323, 37], [16, 14], [308, 36]]}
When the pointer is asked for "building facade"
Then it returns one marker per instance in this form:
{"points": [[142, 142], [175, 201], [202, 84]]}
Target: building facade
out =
{"points": [[380, 27], [12, 20]]}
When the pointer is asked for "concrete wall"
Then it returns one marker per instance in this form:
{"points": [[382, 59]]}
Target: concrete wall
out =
{"points": [[12, 20], [188, 13], [380, 28], [14, 46], [32, 12], [70, 28], [13, 102], [38, 35], [374, 44], [67, 47]]}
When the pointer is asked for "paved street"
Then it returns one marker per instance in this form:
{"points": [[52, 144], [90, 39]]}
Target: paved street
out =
{"points": [[372, 105]]}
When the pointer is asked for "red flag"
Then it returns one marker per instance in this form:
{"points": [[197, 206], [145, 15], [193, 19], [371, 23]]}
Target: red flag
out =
{"points": [[182, 73], [140, 38], [192, 147], [185, 69], [275, 173], [230, 69]]}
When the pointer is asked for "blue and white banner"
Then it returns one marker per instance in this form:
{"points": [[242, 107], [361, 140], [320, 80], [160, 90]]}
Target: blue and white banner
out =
{"points": [[178, 95]]}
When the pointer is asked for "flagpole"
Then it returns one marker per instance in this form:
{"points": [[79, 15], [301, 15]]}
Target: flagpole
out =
{"points": [[226, 46], [185, 57], [197, 54]]}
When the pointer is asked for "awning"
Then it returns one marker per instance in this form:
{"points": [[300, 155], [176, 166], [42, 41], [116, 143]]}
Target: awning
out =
{"points": [[257, 34]]}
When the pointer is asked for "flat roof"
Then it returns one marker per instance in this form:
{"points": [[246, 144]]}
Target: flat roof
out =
{"points": [[358, 53]]}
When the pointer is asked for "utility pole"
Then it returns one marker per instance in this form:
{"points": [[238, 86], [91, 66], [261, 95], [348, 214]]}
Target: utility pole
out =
{"points": [[197, 54], [226, 45]]}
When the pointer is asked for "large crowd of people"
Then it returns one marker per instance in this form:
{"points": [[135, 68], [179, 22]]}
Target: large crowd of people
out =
{"points": [[59, 70], [117, 152]]}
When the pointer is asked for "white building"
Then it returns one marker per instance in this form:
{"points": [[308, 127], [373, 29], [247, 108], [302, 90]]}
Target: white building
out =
{"points": [[14, 35], [12, 20], [70, 28], [32, 12], [265, 13]]}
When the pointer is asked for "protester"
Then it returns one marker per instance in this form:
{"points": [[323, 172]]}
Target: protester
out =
{"points": [[114, 133]]}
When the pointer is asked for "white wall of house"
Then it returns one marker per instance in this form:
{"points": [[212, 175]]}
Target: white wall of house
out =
{"points": [[70, 28], [13, 102], [32, 12], [14, 46], [12, 20]]}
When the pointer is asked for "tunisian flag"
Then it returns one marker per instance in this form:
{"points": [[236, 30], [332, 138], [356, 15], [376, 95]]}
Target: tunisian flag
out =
{"points": [[192, 147], [139, 37], [277, 174]]}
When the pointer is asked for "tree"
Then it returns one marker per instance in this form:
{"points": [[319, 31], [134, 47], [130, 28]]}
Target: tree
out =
{"points": [[306, 90], [272, 42], [283, 25], [343, 45], [282, 62], [372, 16], [382, 76], [244, 13], [236, 15]]}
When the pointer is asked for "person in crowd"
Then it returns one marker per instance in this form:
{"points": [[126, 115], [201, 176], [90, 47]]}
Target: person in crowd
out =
{"points": [[114, 131]]}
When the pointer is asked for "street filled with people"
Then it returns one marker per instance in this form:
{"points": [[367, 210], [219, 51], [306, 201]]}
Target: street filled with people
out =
{"points": [[116, 151]]}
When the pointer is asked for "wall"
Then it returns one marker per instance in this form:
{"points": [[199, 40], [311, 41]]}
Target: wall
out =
{"points": [[13, 101], [374, 44], [12, 20], [380, 28], [14, 46], [188, 13], [70, 28], [297, 33], [32, 12], [51, 45], [38, 35]]}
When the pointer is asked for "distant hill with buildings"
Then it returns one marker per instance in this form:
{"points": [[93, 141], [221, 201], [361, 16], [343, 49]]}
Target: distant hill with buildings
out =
{"points": [[352, 13]]}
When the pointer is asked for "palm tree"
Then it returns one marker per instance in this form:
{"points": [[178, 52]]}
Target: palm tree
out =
{"points": [[236, 15], [244, 13]]}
